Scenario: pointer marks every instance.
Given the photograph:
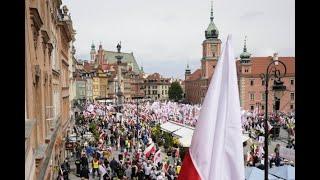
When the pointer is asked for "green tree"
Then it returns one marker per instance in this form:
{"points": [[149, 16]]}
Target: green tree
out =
{"points": [[175, 91]]}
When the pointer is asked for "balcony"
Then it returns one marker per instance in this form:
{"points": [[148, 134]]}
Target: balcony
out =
{"points": [[29, 125], [49, 112]]}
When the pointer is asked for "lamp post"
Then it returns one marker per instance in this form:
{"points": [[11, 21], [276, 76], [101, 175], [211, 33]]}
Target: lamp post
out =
{"points": [[137, 98], [273, 72]]}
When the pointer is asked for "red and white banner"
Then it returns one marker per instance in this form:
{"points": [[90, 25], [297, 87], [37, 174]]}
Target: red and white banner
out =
{"points": [[149, 150], [157, 157]]}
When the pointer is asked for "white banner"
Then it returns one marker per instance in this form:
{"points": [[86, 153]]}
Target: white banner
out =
{"points": [[287, 153]]}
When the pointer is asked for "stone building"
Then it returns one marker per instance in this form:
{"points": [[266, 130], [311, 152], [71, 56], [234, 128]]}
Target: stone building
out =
{"points": [[197, 83], [48, 40], [156, 87], [252, 87], [104, 67]]}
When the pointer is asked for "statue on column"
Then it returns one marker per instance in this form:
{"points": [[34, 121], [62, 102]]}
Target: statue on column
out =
{"points": [[119, 47]]}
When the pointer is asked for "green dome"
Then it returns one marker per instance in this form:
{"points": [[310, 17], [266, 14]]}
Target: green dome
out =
{"points": [[212, 31], [245, 55]]}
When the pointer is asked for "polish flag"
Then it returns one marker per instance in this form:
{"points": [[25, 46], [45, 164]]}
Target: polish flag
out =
{"points": [[157, 157], [149, 150], [216, 151]]}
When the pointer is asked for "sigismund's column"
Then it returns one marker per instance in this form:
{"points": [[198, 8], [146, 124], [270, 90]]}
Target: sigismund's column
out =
{"points": [[119, 93]]}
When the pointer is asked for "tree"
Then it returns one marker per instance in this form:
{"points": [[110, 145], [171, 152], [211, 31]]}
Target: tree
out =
{"points": [[175, 91]]}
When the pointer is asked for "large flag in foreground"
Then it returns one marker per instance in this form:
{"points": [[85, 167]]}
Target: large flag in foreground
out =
{"points": [[216, 151]]}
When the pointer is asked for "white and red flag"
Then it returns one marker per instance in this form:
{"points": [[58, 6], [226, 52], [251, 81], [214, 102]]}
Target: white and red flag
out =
{"points": [[149, 150], [157, 157], [216, 151]]}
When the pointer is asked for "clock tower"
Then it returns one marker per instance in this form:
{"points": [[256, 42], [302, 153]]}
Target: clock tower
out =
{"points": [[211, 47]]}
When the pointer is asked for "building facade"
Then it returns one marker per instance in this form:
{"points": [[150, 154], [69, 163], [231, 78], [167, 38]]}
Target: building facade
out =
{"points": [[252, 87], [197, 83], [156, 87], [48, 40], [103, 68]]}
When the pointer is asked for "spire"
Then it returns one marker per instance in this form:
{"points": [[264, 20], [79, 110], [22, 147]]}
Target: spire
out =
{"points": [[92, 45], [211, 17], [245, 54], [245, 44], [100, 46], [212, 30]]}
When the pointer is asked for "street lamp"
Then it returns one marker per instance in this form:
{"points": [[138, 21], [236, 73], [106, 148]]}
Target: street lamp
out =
{"points": [[273, 71], [137, 98]]}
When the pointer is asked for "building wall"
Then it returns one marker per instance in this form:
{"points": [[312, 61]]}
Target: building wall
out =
{"points": [[154, 90], [103, 85], [258, 91], [43, 88], [95, 87], [89, 89], [163, 91], [196, 90], [81, 89]]}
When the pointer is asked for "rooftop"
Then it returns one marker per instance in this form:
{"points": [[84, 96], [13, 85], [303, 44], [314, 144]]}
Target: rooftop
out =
{"points": [[260, 64]]}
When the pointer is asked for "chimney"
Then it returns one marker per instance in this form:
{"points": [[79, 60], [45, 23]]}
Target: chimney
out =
{"points": [[275, 58]]}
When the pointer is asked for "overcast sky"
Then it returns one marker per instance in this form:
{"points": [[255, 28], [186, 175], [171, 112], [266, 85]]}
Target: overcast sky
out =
{"points": [[165, 35]]}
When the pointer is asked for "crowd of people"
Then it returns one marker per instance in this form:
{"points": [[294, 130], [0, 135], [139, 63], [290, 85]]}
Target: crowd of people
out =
{"points": [[117, 143], [253, 125]]}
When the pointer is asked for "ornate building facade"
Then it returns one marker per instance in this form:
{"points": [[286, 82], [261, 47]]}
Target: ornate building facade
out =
{"points": [[252, 87], [102, 69], [48, 40]]}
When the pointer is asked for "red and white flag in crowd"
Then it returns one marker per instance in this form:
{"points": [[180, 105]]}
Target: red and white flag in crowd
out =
{"points": [[149, 150], [216, 151], [269, 126], [157, 157]]}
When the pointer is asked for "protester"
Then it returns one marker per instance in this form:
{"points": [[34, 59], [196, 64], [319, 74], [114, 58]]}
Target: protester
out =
{"points": [[120, 146]]}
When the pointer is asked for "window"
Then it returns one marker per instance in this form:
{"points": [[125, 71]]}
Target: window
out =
{"points": [[262, 107], [162, 92], [292, 82], [263, 96], [148, 91], [262, 82], [251, 96], [292, 96], [251, 107], [291, 106], [246, 70], [251, 82]]}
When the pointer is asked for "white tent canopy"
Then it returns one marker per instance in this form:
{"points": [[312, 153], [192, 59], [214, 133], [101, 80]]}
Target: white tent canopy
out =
{"points": [[170, 127], [184, 132], [253, 173]]}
